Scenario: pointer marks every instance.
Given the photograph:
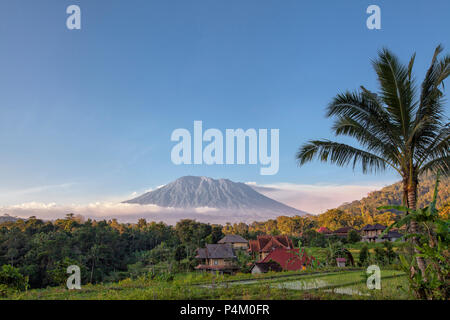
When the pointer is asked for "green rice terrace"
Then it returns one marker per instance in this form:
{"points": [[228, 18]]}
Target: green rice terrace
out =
{"points": [[332, 284]]}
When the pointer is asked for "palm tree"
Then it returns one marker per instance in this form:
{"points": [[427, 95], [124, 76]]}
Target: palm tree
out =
{"points": [[434, 248], [395, 128]]}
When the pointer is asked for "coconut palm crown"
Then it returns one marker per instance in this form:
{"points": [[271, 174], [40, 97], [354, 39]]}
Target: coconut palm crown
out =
{"points": [[398, 127]]}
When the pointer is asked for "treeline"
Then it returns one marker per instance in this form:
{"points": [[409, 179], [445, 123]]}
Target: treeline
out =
{"points": [[299, 226], [104, 250], [108, 251]]}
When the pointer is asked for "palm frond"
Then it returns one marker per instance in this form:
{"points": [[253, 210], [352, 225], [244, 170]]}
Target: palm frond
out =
{"points": [[340, 154], [365, 108], [439, 147], [439, 164], [411, 65], [430, 112], [367, 137], [397, 89]]}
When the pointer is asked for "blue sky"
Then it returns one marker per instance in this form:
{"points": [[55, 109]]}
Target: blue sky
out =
{"points": [[87, 115]]}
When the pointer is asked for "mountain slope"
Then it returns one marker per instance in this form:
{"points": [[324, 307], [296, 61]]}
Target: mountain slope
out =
{"points": [[392, 195], [199, 192]]}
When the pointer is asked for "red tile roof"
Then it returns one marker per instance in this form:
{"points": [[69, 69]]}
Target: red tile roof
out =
{"points": [[289, 259], [324, 230], [269, 243]]}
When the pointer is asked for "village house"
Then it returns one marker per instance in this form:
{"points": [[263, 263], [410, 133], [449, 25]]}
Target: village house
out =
{"points": [[342, 232], [217, 258], [340, 262], [287, 259], [371, 233], [325, 231], [236, 241], [263, 245]]}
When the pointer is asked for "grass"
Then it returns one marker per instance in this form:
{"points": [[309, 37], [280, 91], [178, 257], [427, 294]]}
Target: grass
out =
{"points": [[321, 253], [334, 285]]}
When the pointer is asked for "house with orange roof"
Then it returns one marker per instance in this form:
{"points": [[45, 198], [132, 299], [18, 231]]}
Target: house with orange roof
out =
{"points": [[264, 245], [286, 259]]}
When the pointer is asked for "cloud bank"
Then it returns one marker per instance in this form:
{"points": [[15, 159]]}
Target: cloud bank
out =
{"points": [[125, 212], [314, 199]]}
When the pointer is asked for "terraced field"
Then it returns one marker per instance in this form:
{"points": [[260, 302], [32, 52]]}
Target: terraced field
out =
{"points": [[325, 285]]}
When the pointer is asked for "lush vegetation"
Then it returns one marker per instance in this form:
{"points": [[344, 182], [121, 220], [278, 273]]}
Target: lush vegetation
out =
{"points": [[397, 128], [365, 211], [286, 285], [35, 253], [130, 257], [356, 214], [432, 245], [104, 250]]}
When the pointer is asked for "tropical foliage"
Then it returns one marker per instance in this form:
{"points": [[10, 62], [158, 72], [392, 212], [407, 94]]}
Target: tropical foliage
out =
{"points": [[104, 250], [397, 128], [432, 246]]}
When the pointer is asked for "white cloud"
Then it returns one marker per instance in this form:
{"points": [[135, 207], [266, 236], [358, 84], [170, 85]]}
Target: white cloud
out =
{"points": [[315, 198], [124, 212]]}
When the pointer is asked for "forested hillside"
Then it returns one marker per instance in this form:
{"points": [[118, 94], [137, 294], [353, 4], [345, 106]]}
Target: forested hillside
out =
{"points": [[361, 212], [392, 195]]}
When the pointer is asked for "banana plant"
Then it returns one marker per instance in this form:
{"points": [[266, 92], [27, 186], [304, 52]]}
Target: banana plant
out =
{"points": [[432, 247], [427, 217]]}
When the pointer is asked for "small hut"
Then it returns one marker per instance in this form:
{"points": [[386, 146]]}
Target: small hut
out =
{"points": [[341, 262]]}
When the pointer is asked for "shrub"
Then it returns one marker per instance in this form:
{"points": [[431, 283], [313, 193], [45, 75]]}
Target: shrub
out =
{"points": [[391, 256], [353, 237], [364, 256], [244, 261], [57, 274], [380, 256], [4, 290], [11, 277]]}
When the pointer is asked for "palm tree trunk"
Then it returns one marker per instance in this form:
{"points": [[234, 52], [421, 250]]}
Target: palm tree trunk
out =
{"points": [[414, 227]]}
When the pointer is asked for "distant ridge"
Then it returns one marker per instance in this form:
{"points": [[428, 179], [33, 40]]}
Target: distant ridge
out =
{"points": [[199, 192], [7, 218], [392, 195]]}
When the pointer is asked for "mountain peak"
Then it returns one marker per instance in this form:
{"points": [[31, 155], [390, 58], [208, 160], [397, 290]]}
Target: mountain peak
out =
{"points": [[199, 192]]}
